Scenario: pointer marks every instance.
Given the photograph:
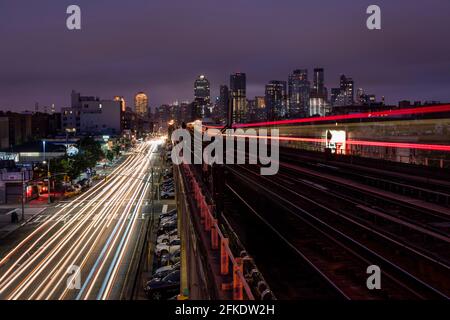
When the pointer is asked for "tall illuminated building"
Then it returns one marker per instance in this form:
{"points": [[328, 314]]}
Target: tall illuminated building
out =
{"points": [[238, 92], [319, 88], [202, 97], [345, 94], [318, 98], [141, 104], [275, 99], [122, 102], [202, 92], [347, 89], [299, 90]]}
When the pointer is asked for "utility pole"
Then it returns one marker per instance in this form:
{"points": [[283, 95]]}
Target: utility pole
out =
{"points": [[49, 182], [152, 193], [23, 195]]}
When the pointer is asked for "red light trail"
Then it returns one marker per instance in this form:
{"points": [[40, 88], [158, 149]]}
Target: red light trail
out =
{"points": [[363, 115]]}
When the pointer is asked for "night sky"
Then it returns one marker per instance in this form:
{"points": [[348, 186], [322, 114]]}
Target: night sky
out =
{"points": [[160, 46]]}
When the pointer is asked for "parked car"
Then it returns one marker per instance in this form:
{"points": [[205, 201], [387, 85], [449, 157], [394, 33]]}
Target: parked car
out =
{"points": [[168, 194], [164, 288], [43, 188], [167, 226], [170, 247], [167, 220], [168, 184], [166, 237], [170, 258], [168, 214], [165, 271], [168, 187]]}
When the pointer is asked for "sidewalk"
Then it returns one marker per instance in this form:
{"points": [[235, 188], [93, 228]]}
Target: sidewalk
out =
{"points": [[6, 227], [32, 209]]}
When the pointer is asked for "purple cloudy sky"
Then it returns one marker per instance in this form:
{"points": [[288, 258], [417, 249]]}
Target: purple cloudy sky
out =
{"points": [[160, 46]]}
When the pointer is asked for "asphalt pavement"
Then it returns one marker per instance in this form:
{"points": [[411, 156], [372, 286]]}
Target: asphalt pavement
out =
{"points": [[83, 248]]}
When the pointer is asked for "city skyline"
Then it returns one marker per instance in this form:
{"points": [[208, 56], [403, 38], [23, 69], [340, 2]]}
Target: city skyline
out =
{"points": [[137, 56], [221, 159]]}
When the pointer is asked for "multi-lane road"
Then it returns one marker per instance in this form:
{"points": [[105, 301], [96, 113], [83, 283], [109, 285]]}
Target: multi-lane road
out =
{"points": [[82, 249]]}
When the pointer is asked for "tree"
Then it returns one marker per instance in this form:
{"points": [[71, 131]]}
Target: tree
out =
{"points": [[91, 152], [116, 149], [109, 155]]}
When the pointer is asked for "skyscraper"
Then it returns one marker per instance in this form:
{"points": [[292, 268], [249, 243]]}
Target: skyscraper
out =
{"points": [[344, 95], [141, 104], [238, 88], [202, 96], [276, 102], [319, 95], [202, 90], [261, 110], [319, 82], [223, 104], [335, 96], [299, 89], [122, 102], [347, 90]]}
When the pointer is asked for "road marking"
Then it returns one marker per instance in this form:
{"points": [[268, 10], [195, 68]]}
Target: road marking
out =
{"points": [[15, 210], [165, 207]]}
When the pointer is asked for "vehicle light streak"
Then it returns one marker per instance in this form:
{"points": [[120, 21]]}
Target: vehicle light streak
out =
{"points": [[89, 230], [60, 232], [96, 270], [114, 266], [362, 115], [105, 252], [55, 250], [76, 203], [400, 145], [75, 233]]}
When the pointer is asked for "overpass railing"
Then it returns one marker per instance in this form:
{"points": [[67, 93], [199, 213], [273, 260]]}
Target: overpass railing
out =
{"points": [[229, 264]]}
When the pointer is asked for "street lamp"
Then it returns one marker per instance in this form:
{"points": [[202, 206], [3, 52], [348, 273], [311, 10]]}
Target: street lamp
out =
{"points": [[43, 144], [49, 182], [48, 172]]}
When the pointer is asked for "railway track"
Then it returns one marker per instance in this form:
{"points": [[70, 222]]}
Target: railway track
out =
{"points": [[342, 247], [426, 186], [424, 230]]}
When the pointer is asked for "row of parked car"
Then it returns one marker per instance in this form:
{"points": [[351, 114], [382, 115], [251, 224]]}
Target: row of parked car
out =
{"points": [[168, 187], [165, 281]]}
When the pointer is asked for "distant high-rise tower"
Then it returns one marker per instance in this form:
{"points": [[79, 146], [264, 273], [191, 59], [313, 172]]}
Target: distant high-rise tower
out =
{"points": [[201, 90], [344, 95], [275, 100], [347, 90], [123, 105], [299, 89], [335, 96], [319, 82], [360, 96], [224, 103], [238, 92], [319, 94], [202, 97], [141, 104]]}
